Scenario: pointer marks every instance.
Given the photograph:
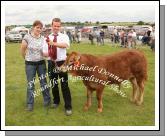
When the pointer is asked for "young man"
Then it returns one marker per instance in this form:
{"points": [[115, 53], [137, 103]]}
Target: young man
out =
{"points": [[60, 42]]}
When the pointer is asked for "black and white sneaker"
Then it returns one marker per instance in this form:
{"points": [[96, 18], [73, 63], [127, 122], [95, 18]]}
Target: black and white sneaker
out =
{"points": [[54, 106], [68, 112]]}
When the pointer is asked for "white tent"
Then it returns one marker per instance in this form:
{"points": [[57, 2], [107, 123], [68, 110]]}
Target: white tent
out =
{"points": [[21, 29]]}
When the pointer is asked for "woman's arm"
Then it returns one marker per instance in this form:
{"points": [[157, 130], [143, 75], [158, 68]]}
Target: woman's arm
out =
{"points": [[23, 48], [45, 49], [45, 54]]}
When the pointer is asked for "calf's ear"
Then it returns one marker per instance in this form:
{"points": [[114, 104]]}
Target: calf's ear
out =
{"points": [[77, 57]]}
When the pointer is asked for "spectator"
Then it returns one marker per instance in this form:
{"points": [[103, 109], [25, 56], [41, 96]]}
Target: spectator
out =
{"points": [[145, 38], [112, 36], [134, 38], [97, 33], [79, 36], [116, 35], [91, 38], [122, 37], [73, 36], [152, 41], [69, 35], [148, 34], [102, 37], [130, 39], [126, 39]]}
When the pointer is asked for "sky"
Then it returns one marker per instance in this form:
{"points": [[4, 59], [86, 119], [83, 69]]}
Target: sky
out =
{"points": [[26, 14]]}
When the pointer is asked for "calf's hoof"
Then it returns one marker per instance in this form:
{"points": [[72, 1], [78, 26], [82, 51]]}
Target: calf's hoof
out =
{"points": [[99, 110], [85, 108], [138, 103], [133, 100]]}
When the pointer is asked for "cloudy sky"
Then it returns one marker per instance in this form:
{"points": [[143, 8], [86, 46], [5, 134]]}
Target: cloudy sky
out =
{"points": [[26, 14]]}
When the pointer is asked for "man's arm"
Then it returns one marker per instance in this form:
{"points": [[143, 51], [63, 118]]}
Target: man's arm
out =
{"points": [[59, 45], [64, 44], [23, 48]]}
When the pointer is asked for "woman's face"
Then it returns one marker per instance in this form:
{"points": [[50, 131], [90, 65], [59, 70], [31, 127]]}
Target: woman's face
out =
{"points": [[37, 30]]}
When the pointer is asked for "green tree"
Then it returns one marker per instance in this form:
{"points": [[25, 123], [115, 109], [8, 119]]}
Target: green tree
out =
{"points": [[97, 23], [140, 23]]}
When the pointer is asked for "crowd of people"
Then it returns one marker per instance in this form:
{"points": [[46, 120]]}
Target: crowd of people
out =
{"points": [[127, 38], [98, 35], [74, 36]]}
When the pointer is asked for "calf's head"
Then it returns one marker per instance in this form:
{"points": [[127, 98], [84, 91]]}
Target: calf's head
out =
{"points": [[71, 60]]}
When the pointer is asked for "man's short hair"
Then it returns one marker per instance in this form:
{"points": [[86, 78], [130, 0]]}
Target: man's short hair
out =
{"points": [[56, 20]]}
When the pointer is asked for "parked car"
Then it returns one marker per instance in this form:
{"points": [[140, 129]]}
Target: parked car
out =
{"points": [[13, 36]]}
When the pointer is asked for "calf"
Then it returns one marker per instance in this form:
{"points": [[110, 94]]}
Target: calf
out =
{"points": [[127, 65]]}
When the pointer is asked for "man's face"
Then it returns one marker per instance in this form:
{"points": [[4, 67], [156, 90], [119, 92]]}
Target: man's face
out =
{"points": [[56, 26]]}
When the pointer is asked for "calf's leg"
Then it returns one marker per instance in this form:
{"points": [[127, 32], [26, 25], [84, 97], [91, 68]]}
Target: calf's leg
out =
{"points": [[141, 93], [99, 95], [135, 88], [89, 99]]}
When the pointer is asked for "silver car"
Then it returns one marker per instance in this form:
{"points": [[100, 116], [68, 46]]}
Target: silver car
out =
{"points": [[13, 36]]}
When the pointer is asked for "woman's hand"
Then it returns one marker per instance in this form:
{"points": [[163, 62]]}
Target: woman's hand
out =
{"points": [[45, 54]]}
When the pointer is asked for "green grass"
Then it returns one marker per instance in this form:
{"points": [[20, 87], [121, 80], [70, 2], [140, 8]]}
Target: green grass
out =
{"points": [[118, 111]]}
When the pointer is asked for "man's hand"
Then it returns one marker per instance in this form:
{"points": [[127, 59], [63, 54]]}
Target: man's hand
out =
{"points": [[51, 43]]}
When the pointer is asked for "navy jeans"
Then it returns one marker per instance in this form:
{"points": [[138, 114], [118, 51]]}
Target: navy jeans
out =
{"points": [[31, 73]]}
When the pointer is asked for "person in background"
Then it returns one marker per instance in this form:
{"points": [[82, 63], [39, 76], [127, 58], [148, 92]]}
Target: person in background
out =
{"points": [[73, 36], [69, 35], [134, 38], [130, 39], [116, 35], [102, 37], [126, 39], [33, 49], [97, 33], [148, 34], [91, 38], [112, 36], [145, 38], [152, 41], [79, 36], [122, 34]]}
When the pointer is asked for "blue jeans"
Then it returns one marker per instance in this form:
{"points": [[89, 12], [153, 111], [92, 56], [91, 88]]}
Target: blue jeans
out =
{"points": [[31, 73]]}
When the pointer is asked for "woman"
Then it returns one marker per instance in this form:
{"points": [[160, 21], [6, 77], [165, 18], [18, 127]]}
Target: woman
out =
{"points": [[33, 49]]}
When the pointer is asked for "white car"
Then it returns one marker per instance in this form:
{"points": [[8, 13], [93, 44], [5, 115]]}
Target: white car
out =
{"points": [[13, 36]]}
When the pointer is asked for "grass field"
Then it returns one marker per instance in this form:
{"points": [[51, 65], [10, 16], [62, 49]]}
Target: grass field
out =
{"points": [[118, 111]]}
